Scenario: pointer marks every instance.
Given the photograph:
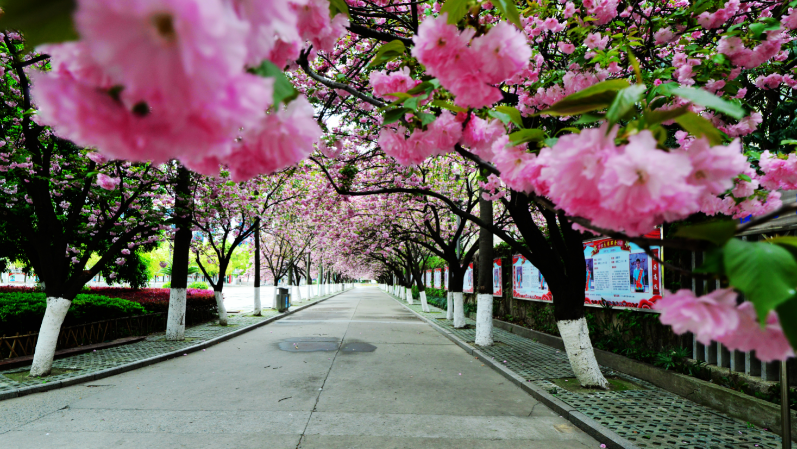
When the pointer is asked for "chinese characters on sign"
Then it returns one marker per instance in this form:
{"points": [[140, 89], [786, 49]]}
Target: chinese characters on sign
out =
{"points": [[617, 272]]}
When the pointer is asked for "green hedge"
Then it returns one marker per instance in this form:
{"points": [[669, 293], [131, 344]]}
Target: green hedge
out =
{"points": [[23, 312]]}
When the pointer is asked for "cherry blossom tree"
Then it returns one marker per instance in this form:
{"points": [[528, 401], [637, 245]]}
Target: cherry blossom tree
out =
{"points": [[64, 203]]}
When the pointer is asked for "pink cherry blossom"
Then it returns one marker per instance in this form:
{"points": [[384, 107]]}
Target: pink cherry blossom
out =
{"points": [[644, 186], [106, 182], [480, 135], [778, 173], [664, 36], [283, 138], [444, 133], [168, 52], [707, 317], [273, 30], [714, 167], [769, 343], [595, 41], [574, 167], [315, 24], [440, 46], [388, 83], [503, 51], [519, 168], [566, 47]]}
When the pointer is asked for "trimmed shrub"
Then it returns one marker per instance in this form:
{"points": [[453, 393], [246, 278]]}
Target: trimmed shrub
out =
{"points": [[23, 311], [167, 285], [199, 285], [22, 308]]}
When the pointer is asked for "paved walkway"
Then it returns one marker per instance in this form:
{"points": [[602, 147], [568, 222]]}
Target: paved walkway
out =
{"points": [[649, 417], [357, 371], [88, 363]]}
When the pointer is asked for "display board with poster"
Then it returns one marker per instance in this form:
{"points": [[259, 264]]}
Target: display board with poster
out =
{"points": [[437, 278], [428, 279], [617, 273], [497, 287], [445, 278], [467, 284]]}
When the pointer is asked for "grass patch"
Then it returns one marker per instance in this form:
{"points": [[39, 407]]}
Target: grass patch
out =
{"points": [[22, 376], [615, 384]]}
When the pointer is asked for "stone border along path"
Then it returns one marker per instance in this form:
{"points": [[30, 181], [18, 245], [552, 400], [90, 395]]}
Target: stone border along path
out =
{"points": [[631, 419], [108, 362]]}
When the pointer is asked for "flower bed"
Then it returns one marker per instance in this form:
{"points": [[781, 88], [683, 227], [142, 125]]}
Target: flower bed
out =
{"points": [[22, 308], [23, 311], [200, 304]]}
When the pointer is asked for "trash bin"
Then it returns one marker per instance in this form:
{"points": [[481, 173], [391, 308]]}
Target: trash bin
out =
{"points": [[283, 299]]}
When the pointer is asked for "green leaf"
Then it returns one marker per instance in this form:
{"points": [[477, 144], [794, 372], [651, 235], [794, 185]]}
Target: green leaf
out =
{"points": [[338, 7], [709, 100], [513, 113], [698, 126], [580, 105], [603, 86], [394, 115], [283, 89], [550, 142], [40, 21], [449, 106], [597, 96], [526, 135], [456, 10], [586, 119], [509, 10], [765, 273], [425, 87], [425, 117], [744, 177], [624, 102], [388, 52], [662, 115], [787, 313], [505, 118], [717, 232]]}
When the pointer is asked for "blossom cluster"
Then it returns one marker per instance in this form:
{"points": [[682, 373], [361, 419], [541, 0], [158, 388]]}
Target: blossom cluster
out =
{"points": [[469, 67], [152, 80], [717, 317]]}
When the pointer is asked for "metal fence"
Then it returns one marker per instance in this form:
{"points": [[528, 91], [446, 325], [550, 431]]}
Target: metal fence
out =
{"points": [[85, 334]]}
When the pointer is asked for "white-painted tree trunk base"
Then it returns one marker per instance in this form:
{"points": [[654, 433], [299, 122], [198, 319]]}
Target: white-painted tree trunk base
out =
{"points": [[222, 309], [578, 346], [44, 354], [459, 310], [484, 320], [410, 299], [449, 306], [175, 320], [258, 307], [424, 304]]}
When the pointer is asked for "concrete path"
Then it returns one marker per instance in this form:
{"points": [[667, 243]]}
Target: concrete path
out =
{"points": [[357, 371]]}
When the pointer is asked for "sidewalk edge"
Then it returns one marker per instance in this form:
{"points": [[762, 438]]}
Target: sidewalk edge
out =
{"points": [[153, 360], [604, 435]]}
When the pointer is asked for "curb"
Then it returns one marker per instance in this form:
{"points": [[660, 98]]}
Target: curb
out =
{"points": [[152, 360], [588, 425]]}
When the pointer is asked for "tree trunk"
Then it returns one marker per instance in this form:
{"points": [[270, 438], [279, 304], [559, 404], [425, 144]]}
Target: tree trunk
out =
{"points": [[175, 322], [222, 310], [449, 305], [424, 304], [578, 346], [44, 354], [484, 298], [258, 306], [459, 310], [409, 296]]}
